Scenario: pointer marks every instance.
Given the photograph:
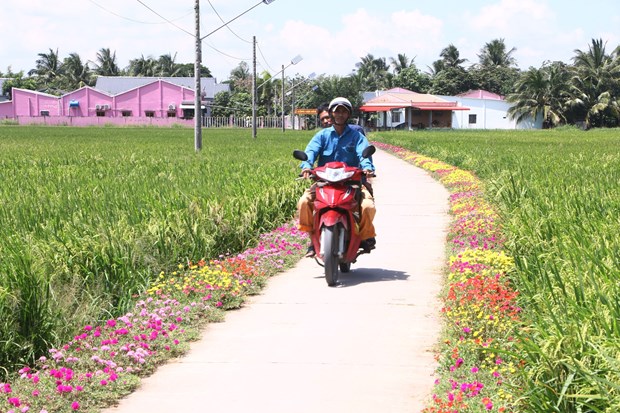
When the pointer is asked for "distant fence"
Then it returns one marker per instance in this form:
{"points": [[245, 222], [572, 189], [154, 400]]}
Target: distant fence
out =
{"points": [[263, 122]]}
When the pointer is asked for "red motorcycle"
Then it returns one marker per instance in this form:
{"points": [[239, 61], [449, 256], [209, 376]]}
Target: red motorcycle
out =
{"points": [[337, 209]]}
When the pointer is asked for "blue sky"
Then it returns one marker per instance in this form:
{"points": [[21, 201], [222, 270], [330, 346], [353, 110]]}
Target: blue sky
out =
{"points": [[331, 36]]}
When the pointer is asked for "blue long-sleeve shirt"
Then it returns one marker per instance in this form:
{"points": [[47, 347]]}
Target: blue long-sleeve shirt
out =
{"points": [[327, 146]]}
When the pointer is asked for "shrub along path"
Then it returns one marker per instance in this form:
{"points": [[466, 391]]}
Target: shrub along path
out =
{"points": [[301, 346]]}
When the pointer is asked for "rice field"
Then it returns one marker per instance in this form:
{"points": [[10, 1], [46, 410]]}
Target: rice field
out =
{"points": [[90, 216], [558, 197]]}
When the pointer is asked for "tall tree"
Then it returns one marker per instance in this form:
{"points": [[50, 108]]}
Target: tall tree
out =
{"points": [[75, 73], [47, 71], [106, 64], [541, 94], [450, 56], [401, 62], [374, 73], [240, 77], [166, 66], [595, 85], [142, 66], [494, 53], [266, 92]]}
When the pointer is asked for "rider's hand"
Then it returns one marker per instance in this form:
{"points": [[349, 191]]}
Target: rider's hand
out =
{"points": [[306, 173], [369, 173]]}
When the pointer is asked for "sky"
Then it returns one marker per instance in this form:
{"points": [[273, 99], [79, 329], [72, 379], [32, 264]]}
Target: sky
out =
{"points": [[330, 36]]}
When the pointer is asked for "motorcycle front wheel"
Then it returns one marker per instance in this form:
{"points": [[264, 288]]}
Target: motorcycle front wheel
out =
{"points": [[330, 259]]}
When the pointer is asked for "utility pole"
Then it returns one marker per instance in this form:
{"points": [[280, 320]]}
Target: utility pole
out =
{"points": [[197, 91], [254, 88]]}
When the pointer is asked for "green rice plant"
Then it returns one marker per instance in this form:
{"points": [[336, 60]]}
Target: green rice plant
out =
{"points": [[88, 216], [558, 194]]}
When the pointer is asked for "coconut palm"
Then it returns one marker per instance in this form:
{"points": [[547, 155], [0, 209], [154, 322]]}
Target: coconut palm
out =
{"points": [[143, 66], [374, 73], [494, 54], [75, 73], [401, 62], [541, 93], [106, 64], [595, 85], [266, 91], [451, 56], [240, 77], [47, 71], [166, 66]]}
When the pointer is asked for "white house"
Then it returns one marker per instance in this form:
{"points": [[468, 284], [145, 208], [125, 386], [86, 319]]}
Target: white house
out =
{"points": [[486, 111], [476, 109]]}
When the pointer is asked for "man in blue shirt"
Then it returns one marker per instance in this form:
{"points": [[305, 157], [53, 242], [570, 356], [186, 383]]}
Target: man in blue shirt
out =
{"points": [[326, 120], [339, 142]]}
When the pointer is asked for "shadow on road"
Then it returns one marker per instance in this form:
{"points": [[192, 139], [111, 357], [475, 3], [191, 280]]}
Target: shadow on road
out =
{"points": [[369, 275]]}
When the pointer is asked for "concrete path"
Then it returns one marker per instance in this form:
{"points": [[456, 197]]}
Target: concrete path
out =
{"points": [[301, 346]]}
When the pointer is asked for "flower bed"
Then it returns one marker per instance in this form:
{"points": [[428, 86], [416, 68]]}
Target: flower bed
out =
{"points": [[477, 369], [104, 362]]}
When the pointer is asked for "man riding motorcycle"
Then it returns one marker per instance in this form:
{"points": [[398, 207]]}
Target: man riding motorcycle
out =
{"points": [[339, 142]]}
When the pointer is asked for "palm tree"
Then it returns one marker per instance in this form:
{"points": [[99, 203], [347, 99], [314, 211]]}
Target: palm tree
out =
{"points": [[494, 54], [106, 63], [451, 56], [166, 65], [48, 71], [76, 74], [595, 85], [541, 93], [401, 63], [374, 73], [436, 67], [142, 66], [266, 91], [240, 77]]}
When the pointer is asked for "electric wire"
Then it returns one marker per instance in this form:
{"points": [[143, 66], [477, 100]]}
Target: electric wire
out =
{"points": [[134, 20], [226, 24], [165, 19]]}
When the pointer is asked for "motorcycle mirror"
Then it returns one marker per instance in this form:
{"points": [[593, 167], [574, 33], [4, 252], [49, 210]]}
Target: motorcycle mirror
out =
{"points": [[368, 151], [301, 155]]}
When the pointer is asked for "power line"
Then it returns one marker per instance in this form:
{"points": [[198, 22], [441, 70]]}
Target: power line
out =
{"points": [[263, 56], [134, 20], [165, 19], [226, 24]]}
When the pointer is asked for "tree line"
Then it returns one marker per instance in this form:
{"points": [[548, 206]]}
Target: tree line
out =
{"points": [[585, 91]]}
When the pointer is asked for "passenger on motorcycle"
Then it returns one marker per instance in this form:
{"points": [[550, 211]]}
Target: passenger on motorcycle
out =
{"points": [[339, 142], [326, 120]]}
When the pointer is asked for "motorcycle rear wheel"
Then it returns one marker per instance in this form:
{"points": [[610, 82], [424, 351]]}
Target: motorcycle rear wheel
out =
{"points": [[330, 259]]}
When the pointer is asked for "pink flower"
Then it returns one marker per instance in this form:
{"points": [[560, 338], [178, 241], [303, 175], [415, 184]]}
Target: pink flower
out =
{"points": [[75, 406]]}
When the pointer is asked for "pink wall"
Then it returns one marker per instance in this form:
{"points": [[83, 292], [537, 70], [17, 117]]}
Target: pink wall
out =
{"points": [[102, 121], [88, 99], [30, 103], [156, 97], [6, 110]]}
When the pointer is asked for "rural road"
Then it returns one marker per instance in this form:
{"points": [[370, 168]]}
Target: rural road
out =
{"points": [[303, 347]]}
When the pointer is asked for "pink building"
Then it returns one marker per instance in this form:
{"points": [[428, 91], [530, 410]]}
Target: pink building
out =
{"points": [[152, 101]]}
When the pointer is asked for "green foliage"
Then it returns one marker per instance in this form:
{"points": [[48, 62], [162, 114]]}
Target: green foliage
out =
{"points": [[89, 215], [558, 192]]}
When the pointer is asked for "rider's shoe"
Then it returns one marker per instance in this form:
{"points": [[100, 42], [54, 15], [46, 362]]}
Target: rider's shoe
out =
{"points": [[310, 253], [368, 244]]}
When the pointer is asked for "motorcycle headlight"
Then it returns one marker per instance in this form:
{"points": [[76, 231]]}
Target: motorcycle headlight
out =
{"points": [[334, 174]]}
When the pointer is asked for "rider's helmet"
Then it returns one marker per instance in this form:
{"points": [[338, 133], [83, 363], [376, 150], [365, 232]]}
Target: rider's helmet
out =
{"points": [[340, 101]]}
